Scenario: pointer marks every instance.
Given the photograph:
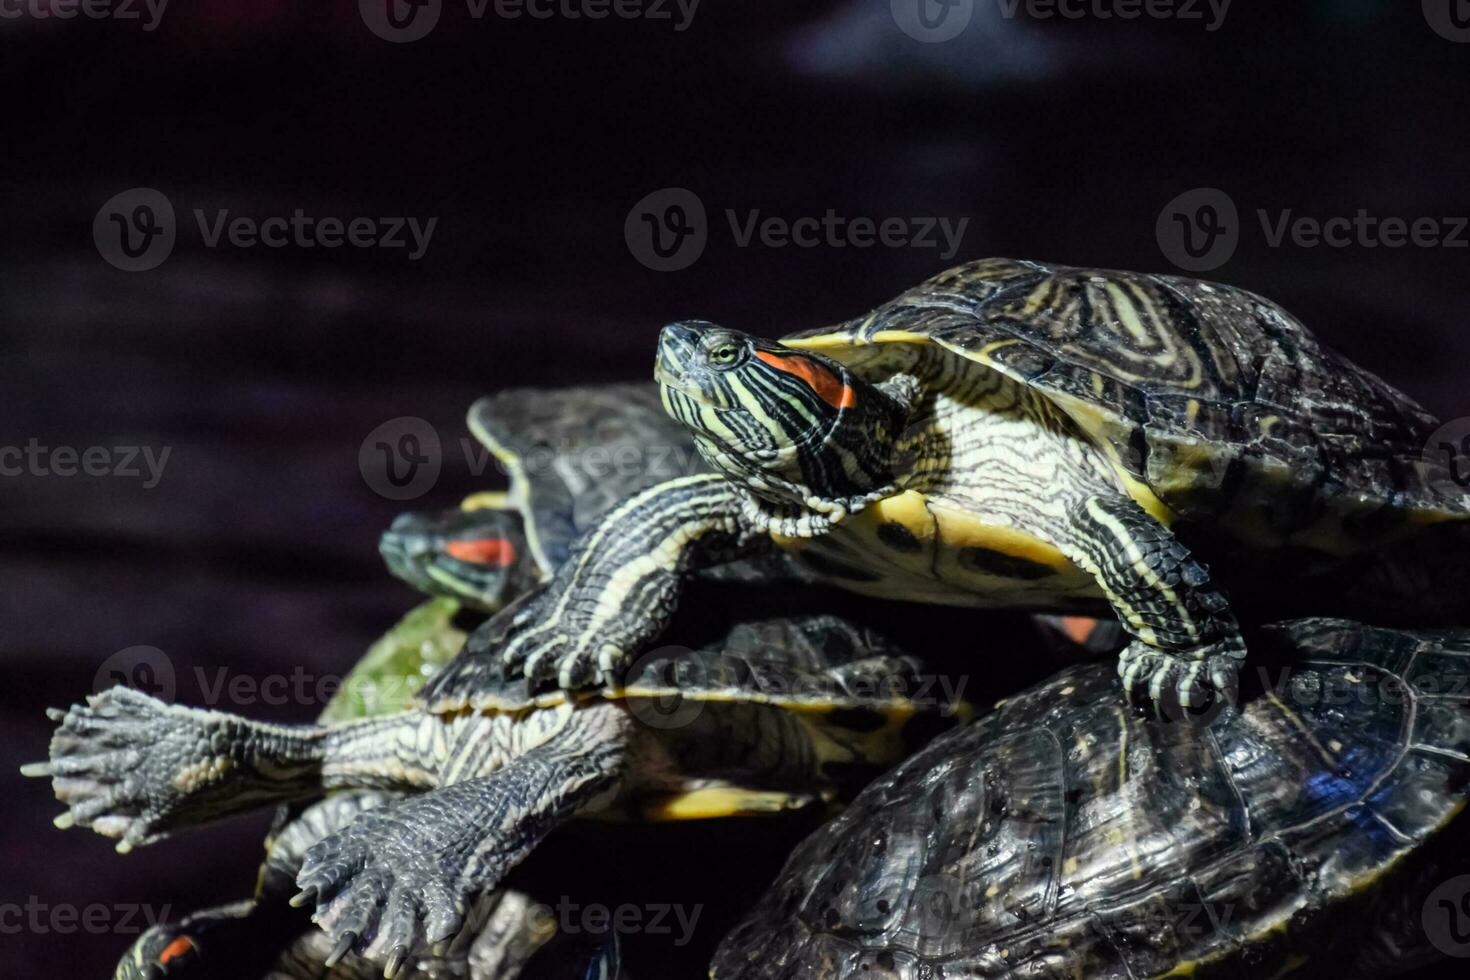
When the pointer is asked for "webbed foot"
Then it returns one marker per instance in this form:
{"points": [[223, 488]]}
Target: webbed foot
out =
{"points": [[130, 766]]}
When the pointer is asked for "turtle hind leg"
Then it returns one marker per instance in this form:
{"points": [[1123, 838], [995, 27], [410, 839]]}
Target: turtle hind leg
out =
{"points": [[1187, 650], [402, 877], [246, 938], [133, 767]]}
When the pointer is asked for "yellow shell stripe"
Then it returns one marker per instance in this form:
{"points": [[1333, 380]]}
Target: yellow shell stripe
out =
{"points": [[515, 498]]}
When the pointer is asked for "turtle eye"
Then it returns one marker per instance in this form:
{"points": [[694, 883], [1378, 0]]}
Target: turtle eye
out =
{"points": [[724, 354]]}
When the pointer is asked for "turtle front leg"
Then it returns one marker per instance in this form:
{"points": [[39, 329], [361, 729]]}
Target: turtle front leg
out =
{"points": [[621, 583], [1187, 644], [404, 876]]}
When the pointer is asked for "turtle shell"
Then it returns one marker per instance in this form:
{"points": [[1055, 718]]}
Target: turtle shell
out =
{"points": [[388, 677], [573, 453], [801, 660], [1064, 836], [1200, 393]]}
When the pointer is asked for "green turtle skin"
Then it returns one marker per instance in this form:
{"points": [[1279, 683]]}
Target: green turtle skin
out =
{"points": [[1062, 836]]}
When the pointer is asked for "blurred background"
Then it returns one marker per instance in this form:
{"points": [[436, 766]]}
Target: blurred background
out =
{"points": [[537, 157]]}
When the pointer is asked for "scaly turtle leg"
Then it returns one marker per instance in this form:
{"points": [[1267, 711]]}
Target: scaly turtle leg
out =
{"points": [[1187, 643], [130, 766], [403, 876], [618, 589], [250, 935]]}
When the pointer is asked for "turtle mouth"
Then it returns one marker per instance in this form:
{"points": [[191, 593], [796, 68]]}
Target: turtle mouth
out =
{"points": [[674, 381]]}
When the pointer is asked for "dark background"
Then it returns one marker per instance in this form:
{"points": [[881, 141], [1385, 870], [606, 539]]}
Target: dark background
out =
{"points": [[264, 370]]}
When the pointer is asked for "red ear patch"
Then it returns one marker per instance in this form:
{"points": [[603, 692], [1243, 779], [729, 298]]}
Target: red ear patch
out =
{"points": [[484, 551], [819, 378], [175, 949]]}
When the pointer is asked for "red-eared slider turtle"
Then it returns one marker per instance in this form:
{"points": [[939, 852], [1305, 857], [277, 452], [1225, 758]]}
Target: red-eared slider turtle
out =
{"points": [[1060, 836], [570, 455], [1010, 434], [263, 937], [557, 447], [775, 706]]}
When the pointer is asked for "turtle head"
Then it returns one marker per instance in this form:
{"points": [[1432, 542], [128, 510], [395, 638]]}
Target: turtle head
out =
{"points": [[477, 556], [792, 426]]}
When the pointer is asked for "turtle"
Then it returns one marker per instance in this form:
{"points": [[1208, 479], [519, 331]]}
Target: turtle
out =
{"points": [[475, 558], [260, 939], [1017, 434], [570, 454], [261, 936], [769, 706], [1317, 830]]}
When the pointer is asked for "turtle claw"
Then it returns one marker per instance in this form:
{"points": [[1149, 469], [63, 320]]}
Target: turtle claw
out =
{"points": [[113, 764], [541, 664], [379, 889], [1196, 687], [345, 942], [396, 959]]}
